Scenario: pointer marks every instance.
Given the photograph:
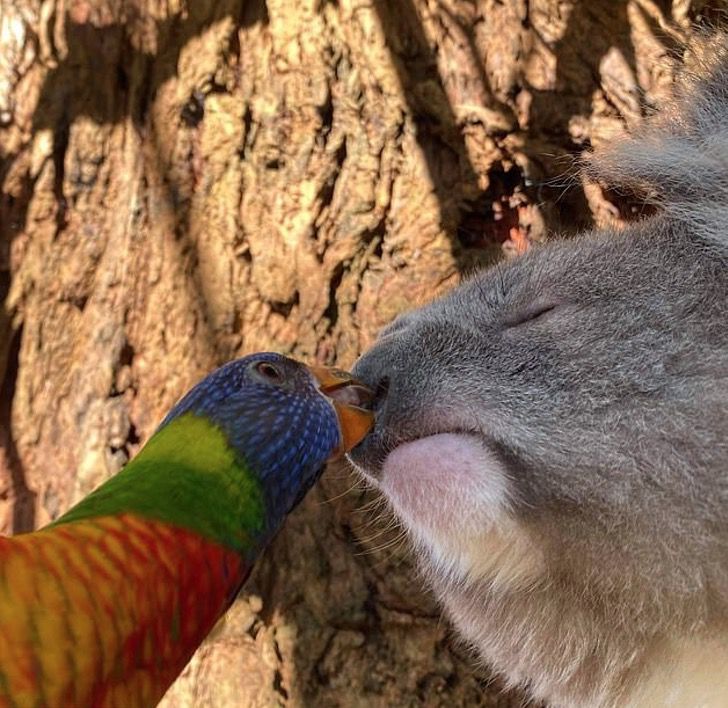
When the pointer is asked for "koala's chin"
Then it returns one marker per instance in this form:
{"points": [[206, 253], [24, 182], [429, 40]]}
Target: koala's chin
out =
{"points": [[554, 436]]}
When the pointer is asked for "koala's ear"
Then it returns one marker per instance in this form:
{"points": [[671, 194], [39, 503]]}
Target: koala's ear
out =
{"points": [[678, 160]]}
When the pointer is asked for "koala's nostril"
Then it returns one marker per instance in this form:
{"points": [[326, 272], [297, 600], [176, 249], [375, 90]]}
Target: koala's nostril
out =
{"points": [[380, 393]]}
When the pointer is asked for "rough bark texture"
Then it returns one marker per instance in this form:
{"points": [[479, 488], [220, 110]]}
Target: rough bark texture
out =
{"points": [[182, 183]]}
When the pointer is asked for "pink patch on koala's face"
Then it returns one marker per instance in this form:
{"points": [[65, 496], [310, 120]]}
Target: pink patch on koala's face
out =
{"points": [[445, 485]]}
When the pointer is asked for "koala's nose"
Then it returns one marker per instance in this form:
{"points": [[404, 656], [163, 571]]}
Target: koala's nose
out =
{"points": [[373, 370], [376, 370], [380, 393]]}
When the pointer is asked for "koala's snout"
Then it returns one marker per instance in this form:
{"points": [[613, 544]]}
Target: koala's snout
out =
{"points": [[380, 393], [372, 370], [376, 369]]}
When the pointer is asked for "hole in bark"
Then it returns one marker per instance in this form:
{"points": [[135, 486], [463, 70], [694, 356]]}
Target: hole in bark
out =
{"points": [[254, 13], [278, 682], [378, 251], [233, 49], [122, 79], [193, 111], [488, 219], [247, 125], [146, 92], [284, 308], [326, 113], [13, 209], [237, 322], [132, 438], [60, 145], [4, 274], [129, 445], [331, 313], [341, 153], [376, 235], [79, 301], [326, 194], [126, 355], [24, 498]]}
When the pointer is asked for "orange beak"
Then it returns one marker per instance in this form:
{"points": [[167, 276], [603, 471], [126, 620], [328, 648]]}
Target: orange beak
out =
{"points": [[348, 396]]}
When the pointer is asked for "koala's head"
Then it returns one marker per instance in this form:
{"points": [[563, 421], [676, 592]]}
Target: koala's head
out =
{"points": [[578, 394]]}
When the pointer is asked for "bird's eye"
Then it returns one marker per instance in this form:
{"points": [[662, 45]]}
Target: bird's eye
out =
{"points": [[270, 372]]}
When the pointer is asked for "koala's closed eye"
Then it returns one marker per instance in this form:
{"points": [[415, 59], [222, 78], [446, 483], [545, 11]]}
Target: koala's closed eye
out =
{"points": [[536, 310]]}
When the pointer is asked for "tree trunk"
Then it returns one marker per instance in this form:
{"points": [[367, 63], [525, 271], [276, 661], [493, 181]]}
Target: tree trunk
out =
{"points": [[183, 183]]}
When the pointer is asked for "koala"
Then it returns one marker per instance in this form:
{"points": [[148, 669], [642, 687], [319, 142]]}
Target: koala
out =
{"points": [[553, 434]]}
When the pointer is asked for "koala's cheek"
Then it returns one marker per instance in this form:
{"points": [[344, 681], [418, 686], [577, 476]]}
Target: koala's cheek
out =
{"points": [[445, 485]]}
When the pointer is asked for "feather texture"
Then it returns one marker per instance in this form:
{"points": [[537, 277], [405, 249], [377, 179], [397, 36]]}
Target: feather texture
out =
{"points": [[105, 606]]}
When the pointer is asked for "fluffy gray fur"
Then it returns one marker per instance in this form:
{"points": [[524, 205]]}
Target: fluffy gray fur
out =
{"points": [[596, 372]]}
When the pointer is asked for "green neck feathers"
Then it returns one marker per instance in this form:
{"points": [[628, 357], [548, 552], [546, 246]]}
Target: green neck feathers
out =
{"points": [[186, 475]]}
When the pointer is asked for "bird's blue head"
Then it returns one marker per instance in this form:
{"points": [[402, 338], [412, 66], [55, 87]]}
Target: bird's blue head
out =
{"points": [[282, 419]]}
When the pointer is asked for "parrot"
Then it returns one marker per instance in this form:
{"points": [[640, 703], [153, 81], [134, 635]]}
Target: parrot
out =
{"points": [[106, 605]]}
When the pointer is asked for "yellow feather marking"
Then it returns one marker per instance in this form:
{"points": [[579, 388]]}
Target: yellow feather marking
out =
{"points": [[210, 451]]}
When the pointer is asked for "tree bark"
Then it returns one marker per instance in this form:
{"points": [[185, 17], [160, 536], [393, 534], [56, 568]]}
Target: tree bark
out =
{"points": [[183, 183]]}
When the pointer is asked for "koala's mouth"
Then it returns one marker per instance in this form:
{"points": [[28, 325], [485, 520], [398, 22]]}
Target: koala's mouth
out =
{"points": [[370, 456]]}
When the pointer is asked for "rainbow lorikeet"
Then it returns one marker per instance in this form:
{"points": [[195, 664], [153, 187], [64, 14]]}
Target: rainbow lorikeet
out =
{"points": [[106, 605]]}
